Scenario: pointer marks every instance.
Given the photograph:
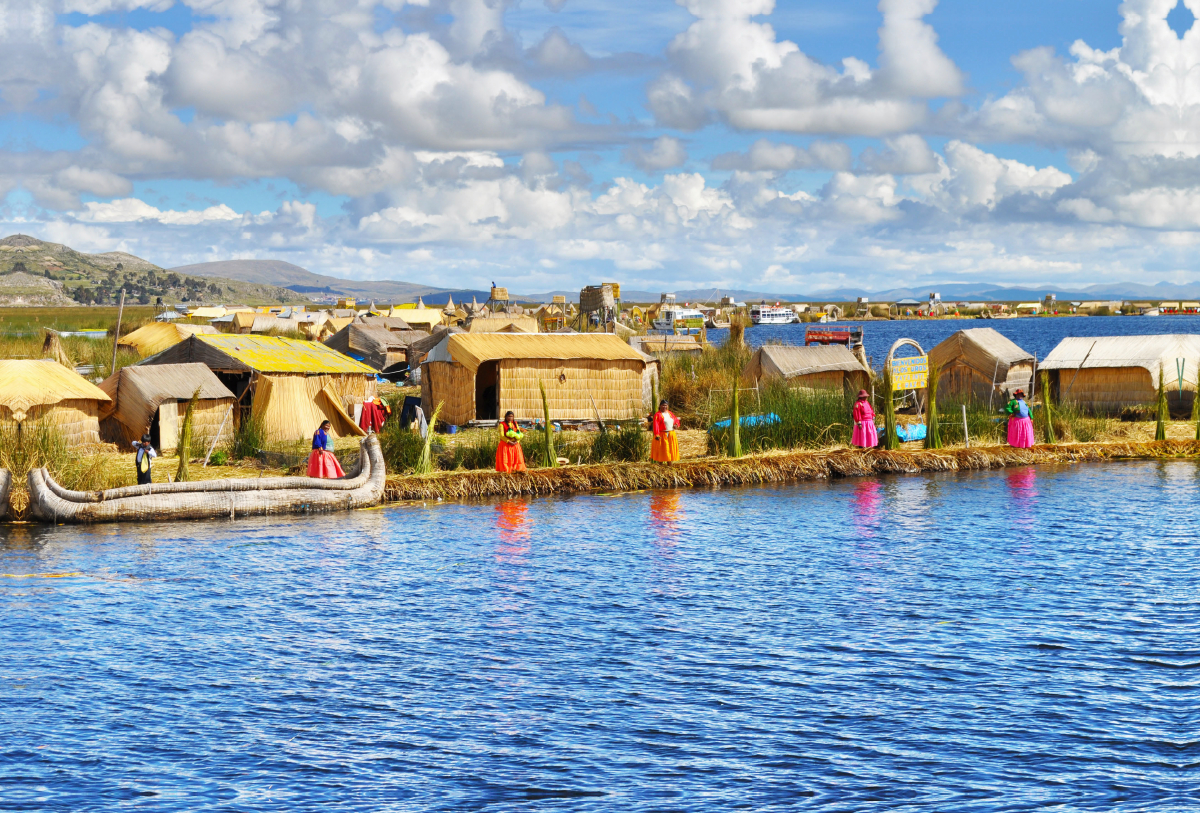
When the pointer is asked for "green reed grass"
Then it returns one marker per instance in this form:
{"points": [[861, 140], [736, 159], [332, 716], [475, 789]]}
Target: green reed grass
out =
{"points": [[808, 419]]}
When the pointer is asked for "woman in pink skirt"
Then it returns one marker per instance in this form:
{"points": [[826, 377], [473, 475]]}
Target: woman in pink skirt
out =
{"points": [[322, 463], [865, 436], [1020, 424]]}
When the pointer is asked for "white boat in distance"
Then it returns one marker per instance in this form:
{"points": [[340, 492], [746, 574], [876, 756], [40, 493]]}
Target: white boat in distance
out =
{"points": [[677, 319], [765, 314]]}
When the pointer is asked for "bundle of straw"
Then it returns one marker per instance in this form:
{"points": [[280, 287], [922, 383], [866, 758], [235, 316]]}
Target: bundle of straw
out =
{"points": [[551, 457], [1047, 414], [1160, 427], [891, 440], [185, 439], [735, 423], [933, 435]]}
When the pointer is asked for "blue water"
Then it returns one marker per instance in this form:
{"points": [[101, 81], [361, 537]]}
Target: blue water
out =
{"points": [[968, 642], [1038, 335]]}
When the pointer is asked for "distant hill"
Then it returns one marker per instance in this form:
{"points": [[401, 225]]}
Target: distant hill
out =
{"points": [[301, 280], [33, 271]]}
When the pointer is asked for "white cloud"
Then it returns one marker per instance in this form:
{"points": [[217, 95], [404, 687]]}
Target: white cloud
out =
{"points": [[664, 153], [128, 210]]}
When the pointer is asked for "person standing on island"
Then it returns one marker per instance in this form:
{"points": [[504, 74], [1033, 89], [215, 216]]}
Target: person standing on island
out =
{"points": [[865, 436], [141, 461], [509, 455], [322, 462], [1020, 424], [664, 448]]}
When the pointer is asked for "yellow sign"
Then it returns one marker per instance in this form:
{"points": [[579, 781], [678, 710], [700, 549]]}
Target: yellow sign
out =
{"points": [[910, 374]]}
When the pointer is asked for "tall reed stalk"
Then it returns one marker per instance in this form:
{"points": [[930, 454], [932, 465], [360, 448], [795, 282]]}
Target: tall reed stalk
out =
{"points": [[891, 440], [1047, 409], [933, 435], [185, 439], [425, 464], [735, 424], [1196, 411], [548, 443], [1160, 426]]}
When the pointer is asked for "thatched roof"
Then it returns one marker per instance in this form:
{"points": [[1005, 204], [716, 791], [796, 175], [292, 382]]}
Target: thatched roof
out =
{"points": [[499, 322], [667, 344], [982, 348], [789, 362], [373, 342], [1147, 352], [389, 322], [138, 391], [265, 354], [26, 383], [158, 336], [471, 350], [418, 317]]}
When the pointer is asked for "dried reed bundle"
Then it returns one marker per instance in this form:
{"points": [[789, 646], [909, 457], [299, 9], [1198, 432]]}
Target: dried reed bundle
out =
{"points": [[891, 440], [735, 424], [1047, 406], [933, 436], [548, 444], [185, 439], [1160, 427]]}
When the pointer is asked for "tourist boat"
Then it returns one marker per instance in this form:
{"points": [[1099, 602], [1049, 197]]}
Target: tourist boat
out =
{"points": [[678, 319], [362, 487], [765, 314]]}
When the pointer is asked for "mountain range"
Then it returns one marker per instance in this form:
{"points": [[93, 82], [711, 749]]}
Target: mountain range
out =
{"points": [[287, 275]]}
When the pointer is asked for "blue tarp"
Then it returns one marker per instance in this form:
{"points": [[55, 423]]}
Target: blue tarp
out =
{"points": [[748, 420], [914, 431]]}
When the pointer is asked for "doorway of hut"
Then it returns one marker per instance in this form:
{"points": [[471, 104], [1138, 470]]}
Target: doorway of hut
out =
{"points": [[238, 383], [487, 391]]}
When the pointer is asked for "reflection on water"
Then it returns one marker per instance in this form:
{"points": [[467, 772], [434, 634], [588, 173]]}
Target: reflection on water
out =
{"points": [[846, 645]]}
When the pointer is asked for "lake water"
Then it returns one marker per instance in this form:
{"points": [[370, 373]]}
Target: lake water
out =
{"points": [[1038, 335], [971, 642]]}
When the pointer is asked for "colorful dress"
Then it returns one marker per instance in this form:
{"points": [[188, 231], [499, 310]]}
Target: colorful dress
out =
{"points": [[322, 462], [509, 455], [664, 448], [865, 435], [1020, 424]]}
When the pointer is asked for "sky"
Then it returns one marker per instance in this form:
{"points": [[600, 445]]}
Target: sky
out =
{"points": [[547, 144]]}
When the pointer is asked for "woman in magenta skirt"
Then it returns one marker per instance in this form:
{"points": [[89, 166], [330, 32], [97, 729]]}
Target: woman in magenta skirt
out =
{"points": [[865, 435], [1020, 424]]}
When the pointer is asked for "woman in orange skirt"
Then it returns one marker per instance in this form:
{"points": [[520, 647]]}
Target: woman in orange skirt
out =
{"points": [[664, 448], [509, 456], [322, 463]]}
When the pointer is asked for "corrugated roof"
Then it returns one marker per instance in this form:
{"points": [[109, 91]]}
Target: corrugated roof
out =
{"points": [[472, 349], [158, 336], [272, 354], [26, 382], [1147, 352], [793, 361]]}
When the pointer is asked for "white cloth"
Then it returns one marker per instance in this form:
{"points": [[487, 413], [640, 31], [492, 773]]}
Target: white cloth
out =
{"points": [[668, 423], [422, 425]]}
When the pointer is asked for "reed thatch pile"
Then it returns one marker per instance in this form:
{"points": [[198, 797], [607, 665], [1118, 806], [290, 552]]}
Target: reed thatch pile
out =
{"points": [[761, 469]]}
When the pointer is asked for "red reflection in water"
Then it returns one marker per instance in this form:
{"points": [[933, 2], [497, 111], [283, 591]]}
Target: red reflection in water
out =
{"points": [[1022, 489], [512, 526], [868, 496], [666, 517]]}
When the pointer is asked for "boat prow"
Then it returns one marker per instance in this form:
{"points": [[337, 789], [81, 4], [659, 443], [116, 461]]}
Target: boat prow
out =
{"points": [[5, 491], [230, 498]]}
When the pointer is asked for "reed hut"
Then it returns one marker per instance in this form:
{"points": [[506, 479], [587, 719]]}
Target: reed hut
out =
{"points": [[420, 318], [288, 384], [152, 399], [158, 336], [501, 322], [668, 345], [982, 364], [830, 367], [482, 376], [371, 342], [46, 391], [1107, 374]]}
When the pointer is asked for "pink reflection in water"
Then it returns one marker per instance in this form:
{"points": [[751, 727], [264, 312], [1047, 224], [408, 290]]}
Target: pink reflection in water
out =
{"points": [[1022, 490], [868, 497], [666, 517], [512, 526]]}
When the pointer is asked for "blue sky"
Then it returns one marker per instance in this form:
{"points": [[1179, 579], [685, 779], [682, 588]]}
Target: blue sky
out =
{"points": [[789, 146]]}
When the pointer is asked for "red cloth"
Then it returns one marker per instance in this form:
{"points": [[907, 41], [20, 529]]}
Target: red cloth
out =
{"points": [[373, 416], [660, 425], [863, 411], [323, 464], [509, 455]]}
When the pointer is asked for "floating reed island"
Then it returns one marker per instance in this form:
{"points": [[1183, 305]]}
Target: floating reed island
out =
{"points": [[760, 469]]}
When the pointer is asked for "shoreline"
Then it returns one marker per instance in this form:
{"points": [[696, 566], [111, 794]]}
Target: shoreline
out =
{"points": [[773, 467]]}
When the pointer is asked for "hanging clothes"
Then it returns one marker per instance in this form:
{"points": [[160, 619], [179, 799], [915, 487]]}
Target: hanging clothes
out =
{"points": [[372, 418]]}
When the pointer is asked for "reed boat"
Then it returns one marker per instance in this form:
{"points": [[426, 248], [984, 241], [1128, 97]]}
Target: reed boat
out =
{"points": [[213, 499], [5, 491]]}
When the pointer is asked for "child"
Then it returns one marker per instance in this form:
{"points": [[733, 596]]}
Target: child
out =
{"points": [[141, 462]]}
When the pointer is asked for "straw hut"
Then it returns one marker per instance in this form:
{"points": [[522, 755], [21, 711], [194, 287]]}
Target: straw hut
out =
{"points": [[44, 390], [501, 321], [288, 384], [371, 342], [158, 336], [981, 363], [831, 367], [482, 376], [668, 345], [420, 318], [1109, 373], [152, 399]]}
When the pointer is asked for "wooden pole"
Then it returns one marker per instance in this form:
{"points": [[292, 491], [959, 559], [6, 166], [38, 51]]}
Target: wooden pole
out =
{"points": [[117, 334]]}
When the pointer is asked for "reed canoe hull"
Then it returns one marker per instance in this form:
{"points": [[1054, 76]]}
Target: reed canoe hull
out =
{"points": [[213, 499], [5, 491]]}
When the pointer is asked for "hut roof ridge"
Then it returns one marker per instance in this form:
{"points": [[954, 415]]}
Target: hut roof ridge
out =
{"points": [[29, 382], [473, 349], [1148, 352]]}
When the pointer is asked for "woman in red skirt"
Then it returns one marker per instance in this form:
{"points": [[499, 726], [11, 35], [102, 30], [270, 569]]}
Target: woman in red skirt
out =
{"points": [[509, 456], [322, 463]]}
